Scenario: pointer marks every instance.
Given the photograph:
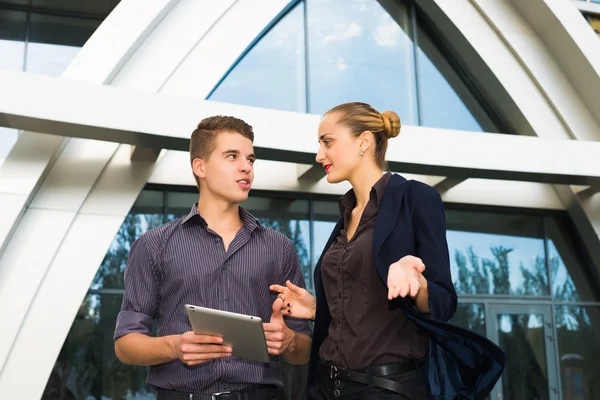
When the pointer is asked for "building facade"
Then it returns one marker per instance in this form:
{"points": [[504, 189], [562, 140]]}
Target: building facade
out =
{"points": [[500, 104]]}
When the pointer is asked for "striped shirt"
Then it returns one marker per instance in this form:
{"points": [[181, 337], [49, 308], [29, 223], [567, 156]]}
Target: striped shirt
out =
{"points": [[184, 262]]}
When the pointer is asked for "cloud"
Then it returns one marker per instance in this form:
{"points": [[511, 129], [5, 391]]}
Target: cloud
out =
{"points": [[342, 32], [340, 64], [386, 35]]}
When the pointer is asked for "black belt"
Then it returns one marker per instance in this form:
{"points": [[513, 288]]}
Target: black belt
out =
{"points": [[375, 375], [256, 393]]}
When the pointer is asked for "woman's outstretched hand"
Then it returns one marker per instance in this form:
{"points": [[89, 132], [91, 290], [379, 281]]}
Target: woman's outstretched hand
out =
{"points": [[405, 278], [297, 302]]}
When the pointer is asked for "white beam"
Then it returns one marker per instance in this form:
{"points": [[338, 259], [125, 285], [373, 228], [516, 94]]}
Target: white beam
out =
{"points": [[174, 169], [124, 116], [70, 242], [310, 173], [447, 183], [589, 192]]}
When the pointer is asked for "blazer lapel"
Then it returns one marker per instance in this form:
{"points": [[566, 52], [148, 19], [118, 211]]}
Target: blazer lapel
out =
{"points": [[387, 213]]}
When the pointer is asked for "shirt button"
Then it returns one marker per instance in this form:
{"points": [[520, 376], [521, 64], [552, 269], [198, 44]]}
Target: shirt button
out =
{"points": [[217, 240], [224, 267], [224, 298]]}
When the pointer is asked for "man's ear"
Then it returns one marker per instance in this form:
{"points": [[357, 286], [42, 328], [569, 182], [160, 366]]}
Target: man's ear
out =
{"points": [[199, 167]]}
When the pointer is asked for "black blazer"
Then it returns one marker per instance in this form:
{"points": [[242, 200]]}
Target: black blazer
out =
{"points": [[411, 221]]}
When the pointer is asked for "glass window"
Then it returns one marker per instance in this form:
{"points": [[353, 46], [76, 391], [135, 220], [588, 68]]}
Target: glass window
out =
{"points": [[578, 330], [367, 53], [271, 75], [54, 41], [110, 273], [493, 253], [12, 39], [325, 216], [179, 204], [444, 99], [569, 279], [358, 52], [87, 367], [289, 217], [470, 316]]}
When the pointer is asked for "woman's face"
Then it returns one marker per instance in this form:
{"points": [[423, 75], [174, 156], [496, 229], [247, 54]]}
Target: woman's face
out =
{"points": [[339, 150]]}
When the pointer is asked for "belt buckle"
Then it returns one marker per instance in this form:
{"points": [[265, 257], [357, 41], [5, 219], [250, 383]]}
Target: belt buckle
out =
{"points": [[333, 372], [215, 396]]}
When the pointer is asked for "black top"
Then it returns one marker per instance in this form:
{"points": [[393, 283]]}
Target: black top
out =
{"points": [[364, 329]]}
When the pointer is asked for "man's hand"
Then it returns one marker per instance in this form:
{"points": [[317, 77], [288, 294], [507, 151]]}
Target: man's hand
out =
{"points": [[192, 349], [297, 302], [280, 338], [405, 277]]}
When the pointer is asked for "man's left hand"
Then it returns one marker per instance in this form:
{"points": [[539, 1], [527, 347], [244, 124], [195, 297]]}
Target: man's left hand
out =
{"points": [[280, 338]]}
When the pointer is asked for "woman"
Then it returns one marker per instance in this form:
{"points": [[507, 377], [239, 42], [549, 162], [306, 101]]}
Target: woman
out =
{"points": [[383, 282]]}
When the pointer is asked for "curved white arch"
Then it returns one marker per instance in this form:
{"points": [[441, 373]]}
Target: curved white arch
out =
{"points": [[546, 56], [221, 46], [35, 281], [39, 231]]}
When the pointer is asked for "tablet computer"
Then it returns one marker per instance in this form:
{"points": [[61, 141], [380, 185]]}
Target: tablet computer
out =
{"points": [[244, 333]]}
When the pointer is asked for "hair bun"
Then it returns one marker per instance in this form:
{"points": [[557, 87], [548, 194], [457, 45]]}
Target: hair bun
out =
{"points": [[391, 122]]}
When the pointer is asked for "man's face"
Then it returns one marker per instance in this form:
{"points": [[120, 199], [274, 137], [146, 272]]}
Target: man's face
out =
{"points": [[228, 172]]}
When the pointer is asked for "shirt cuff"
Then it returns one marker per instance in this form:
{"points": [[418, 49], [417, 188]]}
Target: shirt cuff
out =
{"points": [[299, 325], [133, 322]]}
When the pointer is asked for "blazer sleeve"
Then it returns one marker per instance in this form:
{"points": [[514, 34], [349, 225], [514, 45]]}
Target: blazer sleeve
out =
{"points": [[431, 246]]}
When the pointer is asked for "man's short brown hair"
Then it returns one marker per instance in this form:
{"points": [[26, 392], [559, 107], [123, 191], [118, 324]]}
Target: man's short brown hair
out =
{"points": [[202, 143]]}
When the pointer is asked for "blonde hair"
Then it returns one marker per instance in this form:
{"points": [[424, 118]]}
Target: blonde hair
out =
{"points": [[361, 117]]}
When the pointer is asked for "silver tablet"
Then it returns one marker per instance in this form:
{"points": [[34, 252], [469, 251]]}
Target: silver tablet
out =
{"points": [[244, 333]]}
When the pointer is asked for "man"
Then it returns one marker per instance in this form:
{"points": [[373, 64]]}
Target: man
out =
{"points": [[217, 256]]}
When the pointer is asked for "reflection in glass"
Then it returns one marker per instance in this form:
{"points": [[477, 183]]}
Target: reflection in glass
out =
{"points": [[87, 367], [496, 253], [525, 377], [272, 74], [362, 50], [578, 330], [180, 203], [290, 217], [110, 273], [470, 316], [570, 282], [325, 216], [358, 52], [444, 99]]}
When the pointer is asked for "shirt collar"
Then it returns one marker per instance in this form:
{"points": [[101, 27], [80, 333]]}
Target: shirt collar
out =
{"points": [[378, 190], [250, 222]]}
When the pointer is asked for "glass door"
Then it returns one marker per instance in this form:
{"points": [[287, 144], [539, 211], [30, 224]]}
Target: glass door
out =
{"points": [[526, 334]]}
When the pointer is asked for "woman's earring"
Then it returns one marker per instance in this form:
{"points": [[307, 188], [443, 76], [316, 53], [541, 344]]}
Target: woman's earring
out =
{"points": [[362, 153]]}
